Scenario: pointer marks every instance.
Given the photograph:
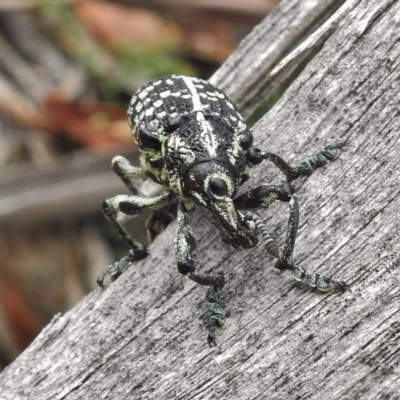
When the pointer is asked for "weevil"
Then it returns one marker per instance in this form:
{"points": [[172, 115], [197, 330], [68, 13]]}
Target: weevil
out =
{"points": [[194, 142]]}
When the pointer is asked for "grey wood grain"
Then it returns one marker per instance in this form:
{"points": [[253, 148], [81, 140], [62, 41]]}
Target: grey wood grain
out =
{"points": [[271, 53]]}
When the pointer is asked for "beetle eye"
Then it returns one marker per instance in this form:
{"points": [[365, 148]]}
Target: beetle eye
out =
{"points": [[218, 187], [148, 140]]}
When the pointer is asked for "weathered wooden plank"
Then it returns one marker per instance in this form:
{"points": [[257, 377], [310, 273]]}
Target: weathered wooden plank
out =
{"points": [[271, 53]]}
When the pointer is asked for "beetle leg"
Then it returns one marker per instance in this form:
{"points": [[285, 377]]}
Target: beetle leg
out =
{"points": [[263, 196], [216, 314], [185, 246], [285, 261], [123, 168], [116, 269], [307, 167], [129, 205]]}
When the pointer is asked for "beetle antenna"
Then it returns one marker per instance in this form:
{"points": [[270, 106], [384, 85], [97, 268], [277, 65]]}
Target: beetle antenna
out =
{"points": [[255, 222]]}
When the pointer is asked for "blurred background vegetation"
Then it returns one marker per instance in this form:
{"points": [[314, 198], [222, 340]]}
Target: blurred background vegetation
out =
{"points": [[67, 71]]}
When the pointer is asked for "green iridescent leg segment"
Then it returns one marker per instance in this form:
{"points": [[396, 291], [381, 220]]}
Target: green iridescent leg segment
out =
{"points": [[185, 246], [129, 205], [322, 283], [116, 269], [216, 315], [307, 167]]}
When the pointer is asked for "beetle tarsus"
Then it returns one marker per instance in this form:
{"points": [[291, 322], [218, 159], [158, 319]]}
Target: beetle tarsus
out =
{"points": [[216, 314]]}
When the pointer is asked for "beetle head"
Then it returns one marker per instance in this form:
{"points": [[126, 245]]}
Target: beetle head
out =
{"points": [[213, 185]]}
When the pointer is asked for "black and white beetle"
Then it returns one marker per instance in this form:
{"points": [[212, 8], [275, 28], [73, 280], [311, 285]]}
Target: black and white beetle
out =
{"points": [[193, 141]]}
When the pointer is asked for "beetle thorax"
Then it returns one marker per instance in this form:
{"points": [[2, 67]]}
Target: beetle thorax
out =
{"points": [[200, 141]]}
